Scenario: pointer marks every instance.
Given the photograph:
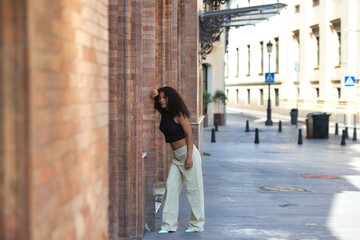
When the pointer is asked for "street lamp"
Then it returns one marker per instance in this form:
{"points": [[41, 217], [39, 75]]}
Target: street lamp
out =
{"points": [[268, 122]]}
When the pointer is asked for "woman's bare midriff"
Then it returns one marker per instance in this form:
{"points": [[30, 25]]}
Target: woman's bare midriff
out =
{"points": [[178, 144]]}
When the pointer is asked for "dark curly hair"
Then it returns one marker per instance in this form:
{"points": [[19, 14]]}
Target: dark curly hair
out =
{"points": [[176, 104]]}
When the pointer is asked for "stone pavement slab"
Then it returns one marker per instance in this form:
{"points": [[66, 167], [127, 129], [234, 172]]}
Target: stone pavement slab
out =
{"points": [[252, 191]]}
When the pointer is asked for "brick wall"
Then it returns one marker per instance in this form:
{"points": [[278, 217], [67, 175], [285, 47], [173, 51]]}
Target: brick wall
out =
{"points": [[64, 89]]}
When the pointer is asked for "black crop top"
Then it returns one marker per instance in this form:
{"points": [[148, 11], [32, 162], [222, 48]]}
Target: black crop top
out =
{"points": [[172, 131]]}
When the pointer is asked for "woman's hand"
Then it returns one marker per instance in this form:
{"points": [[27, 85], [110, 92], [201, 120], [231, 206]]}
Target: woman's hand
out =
{"points": [[154, 93], [188, 163]]}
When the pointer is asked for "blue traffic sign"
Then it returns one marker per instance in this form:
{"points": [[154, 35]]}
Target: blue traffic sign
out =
{"points": [[349, 81], [269, 77]]}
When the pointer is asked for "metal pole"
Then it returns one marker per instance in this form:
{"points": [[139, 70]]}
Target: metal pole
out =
{"points": [[268, 119], [297, 90], [297, 97], [354, 120], [344, 120], [354, 136]]}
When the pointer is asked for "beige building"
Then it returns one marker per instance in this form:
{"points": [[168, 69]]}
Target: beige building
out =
{"points": [[215, 23], [316, 44], [213, 75]]}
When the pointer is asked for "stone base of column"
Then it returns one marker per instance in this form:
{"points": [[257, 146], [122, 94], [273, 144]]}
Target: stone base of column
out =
{"points": [[197, 130]]}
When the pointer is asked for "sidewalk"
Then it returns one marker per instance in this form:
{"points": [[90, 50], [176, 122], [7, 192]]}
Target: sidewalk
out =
{"points": [[276, 117], [261, 115], [276, 189]]}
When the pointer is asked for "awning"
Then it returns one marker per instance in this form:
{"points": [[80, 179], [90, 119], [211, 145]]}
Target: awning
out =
{"points": [[213, 23]]}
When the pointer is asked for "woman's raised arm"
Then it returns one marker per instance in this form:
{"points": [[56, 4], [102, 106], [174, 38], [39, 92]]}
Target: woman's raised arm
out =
{"points": [[154, 93]]}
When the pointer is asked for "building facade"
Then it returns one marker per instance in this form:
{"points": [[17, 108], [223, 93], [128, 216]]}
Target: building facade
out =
{"points": [[315, 46], [213, 74], [79, 146]]}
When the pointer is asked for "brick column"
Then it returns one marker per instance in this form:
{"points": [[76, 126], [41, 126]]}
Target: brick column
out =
{"points": [[126, 204], [166, 72], [150, 132], [14, 122], [191, 67], [192, 59], [54, 124], [68, 135]]}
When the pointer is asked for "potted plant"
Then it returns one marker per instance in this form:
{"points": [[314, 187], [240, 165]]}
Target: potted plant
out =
{"points": [[207, 99], [220, 97]]}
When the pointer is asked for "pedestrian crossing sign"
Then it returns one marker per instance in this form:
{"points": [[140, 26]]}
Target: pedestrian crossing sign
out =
{"points": [[349, 81], [269, 77]]}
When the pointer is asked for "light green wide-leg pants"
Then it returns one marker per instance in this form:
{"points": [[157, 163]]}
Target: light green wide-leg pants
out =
{"points": [[193, 179]]}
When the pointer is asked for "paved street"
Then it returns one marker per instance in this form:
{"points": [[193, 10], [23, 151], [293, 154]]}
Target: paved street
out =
{"points": [[276, 189]]}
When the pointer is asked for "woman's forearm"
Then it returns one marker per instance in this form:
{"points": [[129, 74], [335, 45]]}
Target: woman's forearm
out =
{"points": [[190, 145]]}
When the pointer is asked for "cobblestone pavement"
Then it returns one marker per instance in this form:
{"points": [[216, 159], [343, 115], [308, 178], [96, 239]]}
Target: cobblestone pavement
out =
{"points": [[276, 189]]}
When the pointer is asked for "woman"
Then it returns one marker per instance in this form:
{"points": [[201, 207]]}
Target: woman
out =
{"points": [[185, 166]]}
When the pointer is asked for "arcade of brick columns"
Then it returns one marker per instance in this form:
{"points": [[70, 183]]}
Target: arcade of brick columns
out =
{"points": [[76, 117]]}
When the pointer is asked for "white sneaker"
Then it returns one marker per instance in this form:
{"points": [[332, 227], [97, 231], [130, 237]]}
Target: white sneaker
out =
{"points": [[163, 231], [190, 230]]}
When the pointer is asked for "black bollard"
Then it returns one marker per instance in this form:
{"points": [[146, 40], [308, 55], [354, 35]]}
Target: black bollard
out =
{"points": [[280, 127], [343, 143], [346, 132], [354, 136], [257, 136], [336, 129], [213, 135], [247, 126], [300, 140], [216, 125]]}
